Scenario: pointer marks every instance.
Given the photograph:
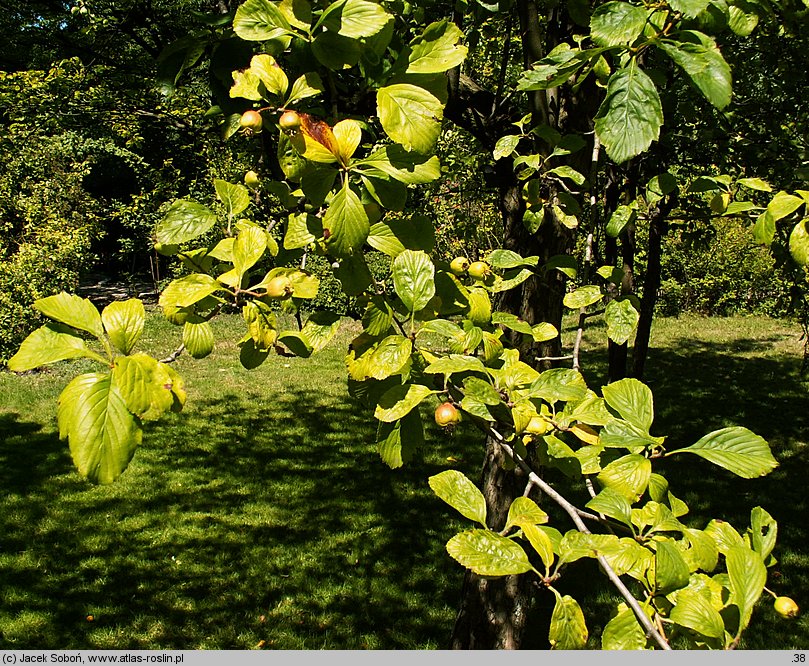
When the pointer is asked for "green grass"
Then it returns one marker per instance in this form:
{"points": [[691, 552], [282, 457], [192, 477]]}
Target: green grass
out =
{"points": [[263, 513]]}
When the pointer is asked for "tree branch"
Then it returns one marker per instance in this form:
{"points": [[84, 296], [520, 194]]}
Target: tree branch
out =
{"points": [[572, 511]]}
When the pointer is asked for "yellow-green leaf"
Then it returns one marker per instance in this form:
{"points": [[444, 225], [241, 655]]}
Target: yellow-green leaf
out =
{"points": [[101, 432]]}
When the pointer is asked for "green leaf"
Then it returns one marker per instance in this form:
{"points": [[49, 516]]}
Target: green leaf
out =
{"points": [[624, 632], [453, 364], [413, 279], [617, 23], [461, 494], [742, 18], [737, 449], [296, 342], [407, 167], [336, 51], [320, 329], [568, 630], [198, 339], [347, 223], [699, 57], [481, 390], [436, 49], [72, 310], [259, 20], [763, 532], [506, 259], [378, 316], [390, 194], [631, 115], [799, 243], [235, 197], [764, 229], [302, 230], [555, 68], [748, 575], [184, 221], [145, 385], [396, 402], [249, 247], [540, 542], [393, 238], [613, 505], [188, 290], [671, 570], [354, 275], [618, 433], [488, 554], [628, 476], [270, 74], [689, 8], [48, 344], [355, 19], [702, 553], [101, 432], [509, 281], [582, 297], [391, 357], [621, 217], [559, 384], [622, 319], [568, 172], [506, 145], [783, 205], [397, 441], [724, 535], [410, 115], [695, 612], [632, 399], [306, 85], [123, 322], [524, 511], [755, 184]]}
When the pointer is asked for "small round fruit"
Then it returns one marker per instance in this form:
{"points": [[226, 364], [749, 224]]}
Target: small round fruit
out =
{"points": [[279, 287], [785, 607], [459, 265], [289, 121], [446, 414], [251, 121], [252, 180], [479, 270], [720, 202]]}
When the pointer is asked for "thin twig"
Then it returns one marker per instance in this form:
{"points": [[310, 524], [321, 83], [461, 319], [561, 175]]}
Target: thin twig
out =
{"points": [[174, 355], [554, 358], [571, 511]]}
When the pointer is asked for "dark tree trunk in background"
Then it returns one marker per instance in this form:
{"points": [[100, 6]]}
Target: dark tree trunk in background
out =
{"points": [[658, 225], [494, 611]]}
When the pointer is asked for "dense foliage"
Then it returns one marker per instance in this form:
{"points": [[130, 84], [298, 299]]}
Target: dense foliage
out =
{"points": [[344, 104]]}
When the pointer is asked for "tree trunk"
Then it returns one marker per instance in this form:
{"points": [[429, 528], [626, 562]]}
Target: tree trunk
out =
{"points": [[658, 225], [494, 611]]}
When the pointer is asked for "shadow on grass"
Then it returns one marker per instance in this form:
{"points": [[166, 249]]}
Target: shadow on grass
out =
{"points": [[238, 522], [257, 518]]}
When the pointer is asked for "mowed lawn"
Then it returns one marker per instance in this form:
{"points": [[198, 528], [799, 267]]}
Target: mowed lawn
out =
{"points": [[262, 515]]}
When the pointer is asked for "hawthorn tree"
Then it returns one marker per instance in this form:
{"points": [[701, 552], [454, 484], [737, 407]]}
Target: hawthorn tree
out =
{"points": [[347, 99]]}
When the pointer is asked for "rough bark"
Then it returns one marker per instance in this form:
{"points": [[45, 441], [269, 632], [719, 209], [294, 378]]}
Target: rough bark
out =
{"points": [[493, 612]]}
